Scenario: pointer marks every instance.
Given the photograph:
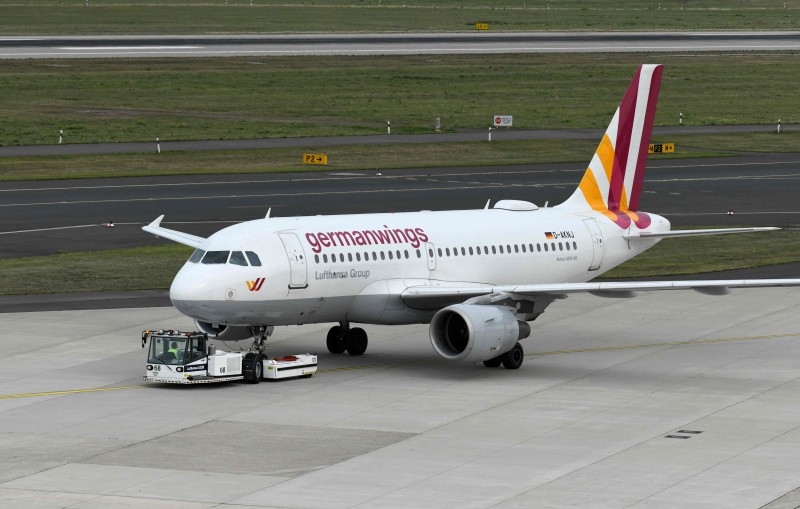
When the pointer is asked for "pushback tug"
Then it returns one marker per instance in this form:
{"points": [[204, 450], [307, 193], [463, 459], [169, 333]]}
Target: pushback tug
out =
{"points": [[187, 358]]}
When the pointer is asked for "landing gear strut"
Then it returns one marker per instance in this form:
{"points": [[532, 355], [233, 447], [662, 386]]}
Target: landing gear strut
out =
{"points": [[260, 335], [341, 337]]}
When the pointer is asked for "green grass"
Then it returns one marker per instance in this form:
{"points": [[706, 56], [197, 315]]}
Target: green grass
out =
{"points": [[143, 268], [90, 17], [236, 98], [153, 268]]}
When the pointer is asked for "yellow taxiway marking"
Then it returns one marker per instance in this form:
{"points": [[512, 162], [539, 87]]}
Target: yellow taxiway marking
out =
{"points": [[71, 391], [691, 342]]}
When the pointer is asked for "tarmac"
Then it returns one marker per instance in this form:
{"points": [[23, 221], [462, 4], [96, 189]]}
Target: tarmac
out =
{"points": [[672, 399]]}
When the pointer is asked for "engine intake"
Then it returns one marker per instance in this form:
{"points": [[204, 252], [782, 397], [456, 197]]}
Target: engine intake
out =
{"points": [[224, 332], [475, 333]]}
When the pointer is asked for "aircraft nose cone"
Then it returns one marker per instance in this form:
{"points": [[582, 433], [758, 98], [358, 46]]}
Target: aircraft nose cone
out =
{"points": [[189, 291]]}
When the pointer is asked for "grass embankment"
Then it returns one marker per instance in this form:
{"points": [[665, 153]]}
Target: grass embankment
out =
{"points": [[115, 100], [152, 268], [91, 17]]}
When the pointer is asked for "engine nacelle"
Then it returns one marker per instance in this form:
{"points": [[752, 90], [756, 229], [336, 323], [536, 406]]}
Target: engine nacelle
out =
{"points": [[475, 333], [224, 332]]}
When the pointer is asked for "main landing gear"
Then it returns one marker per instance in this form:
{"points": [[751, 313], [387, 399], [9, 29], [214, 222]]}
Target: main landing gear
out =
{"points": [[512, 359], [341, 337]]}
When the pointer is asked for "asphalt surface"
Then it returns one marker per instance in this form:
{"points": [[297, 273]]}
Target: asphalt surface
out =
{"points": [[392, 44]]}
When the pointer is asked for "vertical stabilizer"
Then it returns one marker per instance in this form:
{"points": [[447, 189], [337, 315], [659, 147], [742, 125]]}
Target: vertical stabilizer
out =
{"points": [[613, 181]]}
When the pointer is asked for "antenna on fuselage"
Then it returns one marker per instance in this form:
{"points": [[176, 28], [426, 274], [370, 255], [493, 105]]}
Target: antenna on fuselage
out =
{"points": [[487, 204], [269, 211]]}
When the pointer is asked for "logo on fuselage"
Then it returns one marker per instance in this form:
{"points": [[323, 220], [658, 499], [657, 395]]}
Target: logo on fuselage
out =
{"points": [[255, 286]]}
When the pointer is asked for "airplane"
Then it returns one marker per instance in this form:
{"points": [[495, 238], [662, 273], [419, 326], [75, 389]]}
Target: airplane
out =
{"points": [[478, 277]]}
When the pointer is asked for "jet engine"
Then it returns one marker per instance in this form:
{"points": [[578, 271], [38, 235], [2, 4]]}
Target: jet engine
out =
{"points": [[224, 332], [474, 333]]}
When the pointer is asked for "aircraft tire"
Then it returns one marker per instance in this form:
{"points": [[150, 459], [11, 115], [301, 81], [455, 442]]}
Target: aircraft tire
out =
{"points": [[356, 341], [335, 342], [494, 362], [252, 368], [513, 358]]}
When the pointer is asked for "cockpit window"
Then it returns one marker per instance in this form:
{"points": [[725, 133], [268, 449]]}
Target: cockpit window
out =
{"points": [[254, 261], [197, 256], [215, 257], [237, 258]]}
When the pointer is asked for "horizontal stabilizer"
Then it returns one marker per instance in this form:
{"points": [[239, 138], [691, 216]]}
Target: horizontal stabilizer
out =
{"points": [[182, 238], [693, 233]]}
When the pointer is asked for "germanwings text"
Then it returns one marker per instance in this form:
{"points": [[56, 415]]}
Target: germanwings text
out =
{"points": [[413, 236]]}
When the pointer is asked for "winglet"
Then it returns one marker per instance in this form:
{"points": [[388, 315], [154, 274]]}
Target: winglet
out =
{"points": [[182, 238]]}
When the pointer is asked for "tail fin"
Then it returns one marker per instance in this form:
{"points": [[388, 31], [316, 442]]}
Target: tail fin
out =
{"points": [[613, 181]]}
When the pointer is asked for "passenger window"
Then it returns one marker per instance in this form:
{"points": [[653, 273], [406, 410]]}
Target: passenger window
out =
{"points": [[325, 258], [447, 251], [560, 247], [439, 250], [349, 257], [197, 256], [516, 248], [254, 260], [383, 255], [567, 245], [216, 257], [341, 257], [455, 251], [358, 257], [470, 250], [501, 249], [463, 252], [545, 248], [316, 258], [375, 256], [539, 247], [494, 250], [398, 254], [237, 258], [390, 255], [575, 245]]}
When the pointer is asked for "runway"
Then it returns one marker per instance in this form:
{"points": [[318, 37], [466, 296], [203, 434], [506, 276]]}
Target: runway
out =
{"points": [[393, 44], [672, 399]]}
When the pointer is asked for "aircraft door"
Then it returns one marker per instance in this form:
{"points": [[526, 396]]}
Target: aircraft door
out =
{"points": [[297, 260], [431, 255], [597, 243]]}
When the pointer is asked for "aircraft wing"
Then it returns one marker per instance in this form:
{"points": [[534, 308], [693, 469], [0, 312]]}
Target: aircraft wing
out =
{"points": [[182, 238], [433, 296]]}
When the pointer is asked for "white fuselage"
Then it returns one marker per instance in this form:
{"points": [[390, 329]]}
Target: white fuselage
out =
{"points": [[355, 267]]}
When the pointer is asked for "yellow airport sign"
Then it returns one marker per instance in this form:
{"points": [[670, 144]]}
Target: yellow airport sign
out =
{"points": [[481, 26], [661, 148], [315, 159]]}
